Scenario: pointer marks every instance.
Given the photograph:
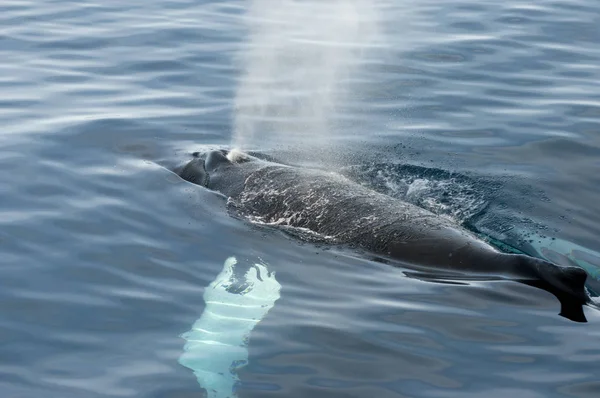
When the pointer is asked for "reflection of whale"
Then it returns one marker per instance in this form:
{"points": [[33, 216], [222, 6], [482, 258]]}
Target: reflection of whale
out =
{"points": [[334, 207], [217, 343]]}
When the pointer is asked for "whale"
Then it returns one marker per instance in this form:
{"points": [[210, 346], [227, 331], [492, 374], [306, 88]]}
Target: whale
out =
{"points": [[343, 212]]}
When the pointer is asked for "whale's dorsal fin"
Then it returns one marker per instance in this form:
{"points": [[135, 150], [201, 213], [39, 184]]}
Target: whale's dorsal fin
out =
{"points": [[566, 283]]}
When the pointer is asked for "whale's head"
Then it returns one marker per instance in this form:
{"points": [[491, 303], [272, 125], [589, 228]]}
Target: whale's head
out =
{"points": [[198, 170], [218, 170]]}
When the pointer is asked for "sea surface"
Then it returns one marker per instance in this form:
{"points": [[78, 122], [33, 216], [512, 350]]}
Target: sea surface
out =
{"points": [[487, 112]]}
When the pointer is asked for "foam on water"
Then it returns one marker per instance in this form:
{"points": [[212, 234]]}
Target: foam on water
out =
{"points": [[442, 192]]}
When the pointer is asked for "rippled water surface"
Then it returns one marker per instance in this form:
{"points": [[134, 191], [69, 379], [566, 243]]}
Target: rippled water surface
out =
{"points": [[484, 111]]}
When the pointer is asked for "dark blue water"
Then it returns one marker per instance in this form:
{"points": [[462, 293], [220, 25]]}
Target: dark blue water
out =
{"points": [[484, 111]]}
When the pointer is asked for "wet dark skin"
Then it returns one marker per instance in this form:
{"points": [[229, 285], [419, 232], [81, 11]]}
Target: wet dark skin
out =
{"points": [[351, 214]]}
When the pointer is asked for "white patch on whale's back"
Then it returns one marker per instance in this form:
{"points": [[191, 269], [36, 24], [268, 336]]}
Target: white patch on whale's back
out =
{"points": [[236, 156]]}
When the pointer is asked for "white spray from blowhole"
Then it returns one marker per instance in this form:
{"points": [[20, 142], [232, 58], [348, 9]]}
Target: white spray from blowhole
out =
{"points": [[298, 67]]}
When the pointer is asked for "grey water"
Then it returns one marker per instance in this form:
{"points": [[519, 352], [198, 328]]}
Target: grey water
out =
{"points": [[487, 112]]}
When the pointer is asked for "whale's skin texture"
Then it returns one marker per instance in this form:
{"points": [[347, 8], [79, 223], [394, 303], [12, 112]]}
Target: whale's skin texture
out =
{"points": [[345, 212]]}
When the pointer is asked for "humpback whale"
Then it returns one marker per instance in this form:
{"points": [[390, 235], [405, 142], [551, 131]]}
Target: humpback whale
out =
{"points": [[344, 212]]}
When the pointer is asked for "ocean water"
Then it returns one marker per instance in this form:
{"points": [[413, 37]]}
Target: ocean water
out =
{"points": [[484, 111]]}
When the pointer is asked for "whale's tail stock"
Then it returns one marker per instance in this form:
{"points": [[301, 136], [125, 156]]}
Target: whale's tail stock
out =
{"points": [[567, 283]]}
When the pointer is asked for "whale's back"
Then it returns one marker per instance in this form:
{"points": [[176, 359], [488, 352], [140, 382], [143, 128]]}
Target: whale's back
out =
{"points": [[336, 208]]}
